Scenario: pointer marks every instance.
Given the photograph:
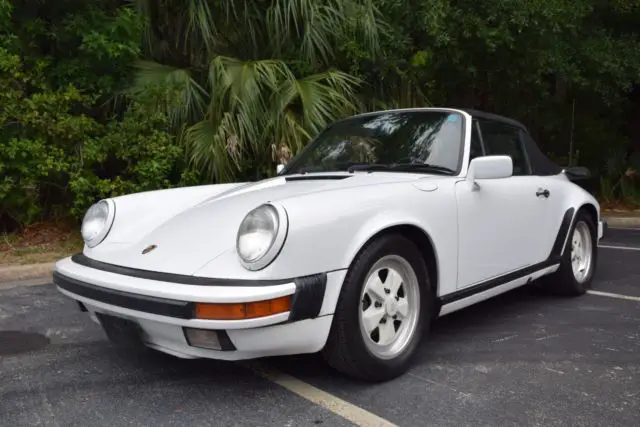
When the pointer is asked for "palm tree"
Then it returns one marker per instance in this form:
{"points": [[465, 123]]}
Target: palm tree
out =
{"points": [[243, 79]]}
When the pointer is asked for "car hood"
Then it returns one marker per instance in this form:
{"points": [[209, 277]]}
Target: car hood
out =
{"points": [[201, 232]]}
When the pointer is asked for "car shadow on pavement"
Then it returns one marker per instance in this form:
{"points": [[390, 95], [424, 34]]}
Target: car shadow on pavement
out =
{"points": [[457, 329], [452, 331]]}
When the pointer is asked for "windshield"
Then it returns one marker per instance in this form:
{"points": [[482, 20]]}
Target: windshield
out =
{"points": [[421, 141]]}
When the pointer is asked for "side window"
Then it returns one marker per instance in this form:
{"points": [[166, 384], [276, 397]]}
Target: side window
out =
{"points": [[475, 150], [503, 139]]}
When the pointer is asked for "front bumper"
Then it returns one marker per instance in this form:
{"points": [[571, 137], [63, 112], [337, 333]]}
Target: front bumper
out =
{"points": [[162, 310]]}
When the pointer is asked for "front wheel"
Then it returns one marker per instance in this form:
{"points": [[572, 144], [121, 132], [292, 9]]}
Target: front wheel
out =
{"points": [[384, 309], [578, 263]]}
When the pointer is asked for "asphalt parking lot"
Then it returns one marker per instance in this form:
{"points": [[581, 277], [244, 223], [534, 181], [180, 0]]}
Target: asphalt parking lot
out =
{"points": [[522, 358]]}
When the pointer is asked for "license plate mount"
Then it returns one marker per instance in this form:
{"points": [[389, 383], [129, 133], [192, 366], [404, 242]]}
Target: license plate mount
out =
{"points": [[122, 332]]}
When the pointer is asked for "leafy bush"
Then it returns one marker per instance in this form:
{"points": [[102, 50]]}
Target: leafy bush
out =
{"points": [[245, 83], [62, 146], [133, 154]]}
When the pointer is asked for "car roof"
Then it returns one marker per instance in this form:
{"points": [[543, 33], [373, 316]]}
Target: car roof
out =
{"points": [[472, 112], [539, 161], [495, 117]]}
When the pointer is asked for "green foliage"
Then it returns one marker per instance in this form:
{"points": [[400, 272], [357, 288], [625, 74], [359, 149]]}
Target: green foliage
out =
{"points": [[110, 97], [245, 79], [621, 178], [131, 155], [61, 148]]}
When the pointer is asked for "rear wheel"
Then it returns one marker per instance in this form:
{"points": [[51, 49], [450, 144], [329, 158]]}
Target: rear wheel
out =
{"points": [[384, 309], [578, 263]]}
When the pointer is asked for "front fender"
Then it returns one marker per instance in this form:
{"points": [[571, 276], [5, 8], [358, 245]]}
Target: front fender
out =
{"points": [[327, 229], [379, 223]]}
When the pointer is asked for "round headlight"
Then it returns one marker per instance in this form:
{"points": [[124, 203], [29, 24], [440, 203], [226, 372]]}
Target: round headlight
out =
{"points": [[261, 236], [97, 222]]}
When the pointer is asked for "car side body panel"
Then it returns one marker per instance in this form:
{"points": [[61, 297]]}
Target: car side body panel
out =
{"points": [[501, 229]]}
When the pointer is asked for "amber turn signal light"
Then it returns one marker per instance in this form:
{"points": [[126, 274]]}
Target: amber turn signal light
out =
{"points": [[241, 311]]}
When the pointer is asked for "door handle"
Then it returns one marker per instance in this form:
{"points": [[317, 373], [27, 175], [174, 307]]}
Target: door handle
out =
{"points": [[542, 192]]}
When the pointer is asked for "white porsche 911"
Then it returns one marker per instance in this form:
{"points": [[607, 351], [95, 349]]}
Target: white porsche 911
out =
{"points": [[384, 222]]}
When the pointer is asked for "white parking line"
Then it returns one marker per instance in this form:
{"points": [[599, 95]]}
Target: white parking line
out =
{"points": [[624, 248], [610, 295], [346, 410]]}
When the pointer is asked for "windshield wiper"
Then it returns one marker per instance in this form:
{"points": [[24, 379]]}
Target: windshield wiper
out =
{"points": [[401, 167], [422, 167], [367, 167]]}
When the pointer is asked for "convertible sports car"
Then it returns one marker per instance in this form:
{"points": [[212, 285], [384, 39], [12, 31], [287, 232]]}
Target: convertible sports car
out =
{"points": [[384, 222]]}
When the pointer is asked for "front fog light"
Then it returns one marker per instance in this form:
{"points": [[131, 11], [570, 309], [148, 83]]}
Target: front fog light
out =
{"points": [[202, 338]]}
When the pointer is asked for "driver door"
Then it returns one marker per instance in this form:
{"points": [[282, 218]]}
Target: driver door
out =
{"points": [[500, 223]]}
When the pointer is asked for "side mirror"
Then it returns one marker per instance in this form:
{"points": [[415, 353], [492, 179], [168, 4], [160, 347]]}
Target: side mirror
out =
{"points": [[489, 167], [279, 168], [576, 173]]}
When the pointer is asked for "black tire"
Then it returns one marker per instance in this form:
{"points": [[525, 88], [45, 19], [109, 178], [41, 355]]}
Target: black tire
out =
{"points": [[563, 282], [346, 350]]}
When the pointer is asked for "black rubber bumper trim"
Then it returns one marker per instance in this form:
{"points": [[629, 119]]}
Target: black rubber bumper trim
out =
{"points": [[307, 301], [498, 281], [565, 225], [147, 304], [183, 279]]}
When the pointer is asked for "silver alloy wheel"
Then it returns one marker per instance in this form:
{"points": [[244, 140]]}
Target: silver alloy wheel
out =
{"points": [[390, 306], [581, 251]]}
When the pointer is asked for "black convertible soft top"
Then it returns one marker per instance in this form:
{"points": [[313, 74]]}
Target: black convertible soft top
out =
{"points": [[540, 163], [494, 117]]}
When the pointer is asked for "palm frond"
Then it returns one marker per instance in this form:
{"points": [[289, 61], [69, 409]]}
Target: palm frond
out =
{"points": [[178, 93], [244, 89], [237, 92], [145, 8], [212, 147], [399, 91], [311, 24], [365, 22], [201, 28], [304, 106], [246, 15], [326, 97], [233, 81]]}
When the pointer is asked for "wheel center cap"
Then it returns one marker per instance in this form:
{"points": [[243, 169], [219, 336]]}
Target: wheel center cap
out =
{"points": [[391, 306]]}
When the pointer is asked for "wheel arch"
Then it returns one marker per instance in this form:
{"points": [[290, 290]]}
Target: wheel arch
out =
{"points": [[420, 238], [591, 210], [587, 207]]}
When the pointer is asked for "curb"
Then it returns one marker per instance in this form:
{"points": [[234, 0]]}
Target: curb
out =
{"points": [[622, 221], [14, 273]]}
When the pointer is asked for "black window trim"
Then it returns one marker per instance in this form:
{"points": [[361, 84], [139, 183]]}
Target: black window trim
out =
{"points": [[476, 124], [525, 152]]}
